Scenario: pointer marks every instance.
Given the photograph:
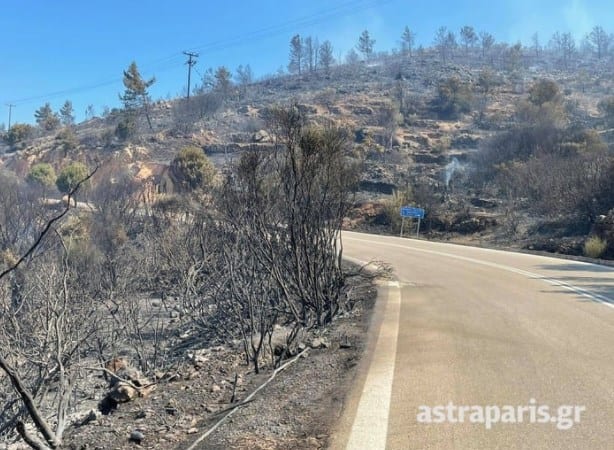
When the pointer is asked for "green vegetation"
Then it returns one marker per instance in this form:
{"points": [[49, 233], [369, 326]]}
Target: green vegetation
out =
{"points": [[192, 169], [135, 99], [392, 209], [46, 118], [595, 247], [42, 174], [19, 132], [71, 176], [453, 98]]}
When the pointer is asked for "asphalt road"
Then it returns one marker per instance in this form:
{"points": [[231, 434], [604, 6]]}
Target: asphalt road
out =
{"points": [[481, 328]]}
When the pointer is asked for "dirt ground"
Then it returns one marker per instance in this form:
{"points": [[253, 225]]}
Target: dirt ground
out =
{"points": [[297, 410]]}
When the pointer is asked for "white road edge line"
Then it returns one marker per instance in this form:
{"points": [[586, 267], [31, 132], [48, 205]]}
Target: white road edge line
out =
{"points": [[370, 428], [552, 281]]}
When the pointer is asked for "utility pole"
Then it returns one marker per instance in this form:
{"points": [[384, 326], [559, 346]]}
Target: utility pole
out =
{"points": [[11, 106], [190, 62]]}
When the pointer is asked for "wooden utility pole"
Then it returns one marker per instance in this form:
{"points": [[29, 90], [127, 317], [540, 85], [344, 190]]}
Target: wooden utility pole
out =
{"points": [[190, 62], [11, 106]]}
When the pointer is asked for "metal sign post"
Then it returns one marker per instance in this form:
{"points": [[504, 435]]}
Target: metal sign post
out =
{"points": [[411, 212]]}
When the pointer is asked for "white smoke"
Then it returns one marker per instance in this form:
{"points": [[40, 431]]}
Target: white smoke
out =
{"points": [[452, 167]]}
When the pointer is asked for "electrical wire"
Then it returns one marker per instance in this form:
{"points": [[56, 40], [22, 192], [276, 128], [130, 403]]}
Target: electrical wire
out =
{"points": [[175, 60]]}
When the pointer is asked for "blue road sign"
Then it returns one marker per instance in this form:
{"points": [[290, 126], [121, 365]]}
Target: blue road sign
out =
{"points": [[411, 211]]}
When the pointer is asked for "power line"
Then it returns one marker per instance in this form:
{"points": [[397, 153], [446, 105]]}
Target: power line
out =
{"points": [[190, 63], [171, 61]]}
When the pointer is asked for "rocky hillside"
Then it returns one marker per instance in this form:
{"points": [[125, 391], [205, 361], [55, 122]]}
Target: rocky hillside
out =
{"points": [[418, 124]]}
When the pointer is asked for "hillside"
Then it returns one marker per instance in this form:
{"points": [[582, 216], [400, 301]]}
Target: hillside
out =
{"points": [[162, 263], [415, 147]]}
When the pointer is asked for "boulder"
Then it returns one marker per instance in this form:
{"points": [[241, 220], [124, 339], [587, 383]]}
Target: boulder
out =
{"points": [[261, 136]]}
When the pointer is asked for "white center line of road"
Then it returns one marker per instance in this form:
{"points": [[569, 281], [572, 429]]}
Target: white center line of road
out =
{"points": [[370, 427], [552, 281]]}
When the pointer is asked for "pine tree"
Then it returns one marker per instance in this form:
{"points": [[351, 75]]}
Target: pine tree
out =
{"points": [[136, 95], [67, 115], [223, 81], [326, 56], [296, 54], [46, 118], [365, 44], [407, 41]]}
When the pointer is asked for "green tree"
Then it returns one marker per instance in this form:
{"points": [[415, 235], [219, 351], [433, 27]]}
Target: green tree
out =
{"points": [[46, 118], [19, 132], [192, 169], [66, 140], [42, 174], [71, 176], [67, 114], [136, 95], [365, 44], [223, 81]]}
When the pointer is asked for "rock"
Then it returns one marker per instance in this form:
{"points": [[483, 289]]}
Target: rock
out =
{"points": [[319, 342], [122, 392], [215, 388], [261, 136], [137, 436]]}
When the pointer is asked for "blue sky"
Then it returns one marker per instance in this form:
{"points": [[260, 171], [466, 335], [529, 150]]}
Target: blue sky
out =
{"points": [[54, 50]]}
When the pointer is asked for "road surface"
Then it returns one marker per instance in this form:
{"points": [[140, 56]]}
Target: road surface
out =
{"points": [[468, 327]]}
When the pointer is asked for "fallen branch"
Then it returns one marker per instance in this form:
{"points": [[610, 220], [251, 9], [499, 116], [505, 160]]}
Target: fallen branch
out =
{"points": [[247, 400]]}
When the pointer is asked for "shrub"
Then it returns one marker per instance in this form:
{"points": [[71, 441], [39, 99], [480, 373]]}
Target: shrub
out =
{"points": [[453, 98], [192, 169], [544, 91], [19, 132], [42, 174], [392, 209], [126, 128], [594, 247], [70, 176]]}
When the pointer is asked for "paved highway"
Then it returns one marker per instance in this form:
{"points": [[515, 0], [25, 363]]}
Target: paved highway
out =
{"points": [[477, 328]]}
